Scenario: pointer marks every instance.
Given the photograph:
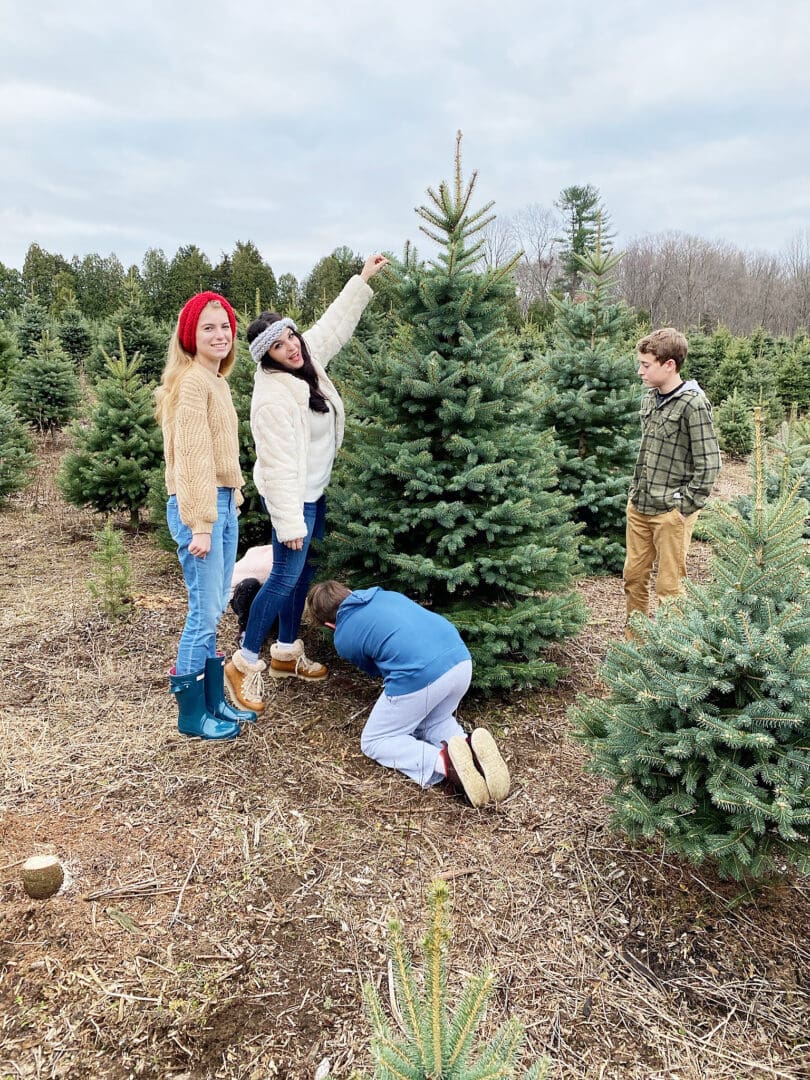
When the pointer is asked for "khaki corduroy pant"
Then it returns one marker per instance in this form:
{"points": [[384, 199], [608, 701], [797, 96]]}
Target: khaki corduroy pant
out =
{"points": [[664, 538]]}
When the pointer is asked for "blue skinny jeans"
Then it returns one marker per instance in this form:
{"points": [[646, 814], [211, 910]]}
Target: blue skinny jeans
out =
{"points": [[208, 580], [284, 593]]}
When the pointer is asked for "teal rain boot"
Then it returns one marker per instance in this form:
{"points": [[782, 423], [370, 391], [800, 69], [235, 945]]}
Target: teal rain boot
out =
{"points": [[215, 701], [194, 718]]}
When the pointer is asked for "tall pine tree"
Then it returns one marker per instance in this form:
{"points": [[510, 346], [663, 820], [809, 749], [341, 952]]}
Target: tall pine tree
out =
{"points": [[113, 455], [706, 725], [447, 490], [593, 403]]}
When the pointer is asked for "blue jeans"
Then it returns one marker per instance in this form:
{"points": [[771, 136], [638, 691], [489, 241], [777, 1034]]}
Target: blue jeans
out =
{"points": [[208, 580], [284, 593], [407, 732]]}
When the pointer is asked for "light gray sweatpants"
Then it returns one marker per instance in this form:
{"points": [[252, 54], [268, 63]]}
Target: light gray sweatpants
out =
{"points": [[406, 732]]}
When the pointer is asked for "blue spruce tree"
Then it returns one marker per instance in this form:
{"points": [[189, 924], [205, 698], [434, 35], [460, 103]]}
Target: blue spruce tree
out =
{"points": [[447, 488], [593, 403], [705, 730]]}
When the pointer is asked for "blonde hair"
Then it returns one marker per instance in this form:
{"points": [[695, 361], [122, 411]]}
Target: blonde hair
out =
{"points": [[178, 361], [665, 344]]}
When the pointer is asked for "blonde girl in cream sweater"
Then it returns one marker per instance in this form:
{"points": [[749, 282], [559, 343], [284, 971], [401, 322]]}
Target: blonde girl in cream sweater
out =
{"points": [[203, 481]]}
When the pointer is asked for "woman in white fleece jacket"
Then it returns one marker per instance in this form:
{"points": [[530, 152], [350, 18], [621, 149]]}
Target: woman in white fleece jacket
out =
{"points": [[297, 420]]}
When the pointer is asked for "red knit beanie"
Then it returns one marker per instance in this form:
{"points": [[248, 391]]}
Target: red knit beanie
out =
{"points": [[190, 316]]}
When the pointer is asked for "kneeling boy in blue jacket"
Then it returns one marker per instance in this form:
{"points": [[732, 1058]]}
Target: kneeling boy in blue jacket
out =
{"points": [[426, 670]]}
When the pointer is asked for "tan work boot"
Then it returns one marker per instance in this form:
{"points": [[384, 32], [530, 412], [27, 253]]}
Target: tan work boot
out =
{"points": [[292, 662], [245, 682]]}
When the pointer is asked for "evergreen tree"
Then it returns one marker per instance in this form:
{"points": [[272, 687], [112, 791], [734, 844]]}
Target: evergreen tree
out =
{"points": [[12, 291], [326, 280], [16, 458], [45, 388], [700, 363], [8, 355], [190, 272], [447, 490], [706, 725], [438, 1044], [140, 334], [41, 273], [111, 585], [289, 297], [732, 373], [114, 453], [584, 217], [32, 324], [74, 336], [100, 283], [158, 299], [250, 272], [593, 405], [788, 466], [793, 377], [735, 430]]}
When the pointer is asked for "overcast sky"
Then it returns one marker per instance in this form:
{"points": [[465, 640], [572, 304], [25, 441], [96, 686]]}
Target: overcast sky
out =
{"points": [[316, 123]]}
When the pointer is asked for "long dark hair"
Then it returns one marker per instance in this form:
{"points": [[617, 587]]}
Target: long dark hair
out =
{"points": [[317, 402]]}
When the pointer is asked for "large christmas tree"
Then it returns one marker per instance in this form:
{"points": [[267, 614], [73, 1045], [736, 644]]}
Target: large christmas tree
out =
{"points": [[593, 404], [447, 489], [705, 731]]}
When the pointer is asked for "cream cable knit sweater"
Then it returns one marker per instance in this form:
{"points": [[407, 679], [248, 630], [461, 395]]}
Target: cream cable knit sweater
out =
{"points": [[201, 447], [280, 415]]}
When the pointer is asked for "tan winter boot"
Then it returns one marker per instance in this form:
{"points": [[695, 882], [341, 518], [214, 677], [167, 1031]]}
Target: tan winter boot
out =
{"points": [[490, 763], [245, 683], [293, 663]]}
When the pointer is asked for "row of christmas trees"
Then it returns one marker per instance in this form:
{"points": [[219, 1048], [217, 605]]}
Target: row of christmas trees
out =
{"points": [[479, 479]]}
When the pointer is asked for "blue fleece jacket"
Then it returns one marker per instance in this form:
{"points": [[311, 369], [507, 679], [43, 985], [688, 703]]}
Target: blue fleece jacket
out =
{"points": [[386, 634]]}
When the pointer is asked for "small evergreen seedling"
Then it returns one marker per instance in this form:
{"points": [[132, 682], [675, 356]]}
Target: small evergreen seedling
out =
{"points": [[705, 731], [439, 1043], [112, 584]]}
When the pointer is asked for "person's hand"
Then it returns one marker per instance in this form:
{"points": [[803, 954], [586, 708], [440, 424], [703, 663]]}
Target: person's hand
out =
{"points": [[200, 545], [373, 265], [294, 545]]}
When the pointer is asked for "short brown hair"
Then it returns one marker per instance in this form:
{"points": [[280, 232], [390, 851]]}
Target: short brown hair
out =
{"points": [[665, 344], [324, 599]]}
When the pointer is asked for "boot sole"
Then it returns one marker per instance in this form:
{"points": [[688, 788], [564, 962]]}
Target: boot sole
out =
{"points": [[271, 671], [257, 708], [473, 783], [494, 768]]}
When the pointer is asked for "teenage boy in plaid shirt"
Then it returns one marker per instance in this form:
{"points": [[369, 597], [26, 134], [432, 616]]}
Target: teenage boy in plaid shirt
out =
{"points": [[678, 462]]}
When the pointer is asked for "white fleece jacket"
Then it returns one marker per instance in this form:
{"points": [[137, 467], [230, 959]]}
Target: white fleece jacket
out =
{"points": [[280, 414]]}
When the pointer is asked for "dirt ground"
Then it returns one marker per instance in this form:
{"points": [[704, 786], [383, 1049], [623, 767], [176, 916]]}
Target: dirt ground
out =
{"points": [[224, 902]]}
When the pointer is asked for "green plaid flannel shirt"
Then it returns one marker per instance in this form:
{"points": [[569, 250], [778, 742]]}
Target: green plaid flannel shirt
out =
{"points": [[679, 459]]}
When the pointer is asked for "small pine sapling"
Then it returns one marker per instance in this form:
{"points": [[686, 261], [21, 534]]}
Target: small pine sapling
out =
{"points": [[436, 1042], [112, 584]]}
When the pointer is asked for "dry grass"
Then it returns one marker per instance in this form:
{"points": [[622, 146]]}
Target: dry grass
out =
{"points": [[224, 902]]}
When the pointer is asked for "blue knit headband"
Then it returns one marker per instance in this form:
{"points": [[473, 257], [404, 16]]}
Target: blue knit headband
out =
{"points": [[259, 346]]}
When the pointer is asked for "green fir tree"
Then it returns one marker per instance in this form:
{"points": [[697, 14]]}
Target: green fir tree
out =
{"points": [[74, 336], [8, 355], [44, 387], [32, 323], [593, 406], [705, 729], [113, 454], [140, 334], [437, 1042], [447, 490], [16, 457], [734, 426]]}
